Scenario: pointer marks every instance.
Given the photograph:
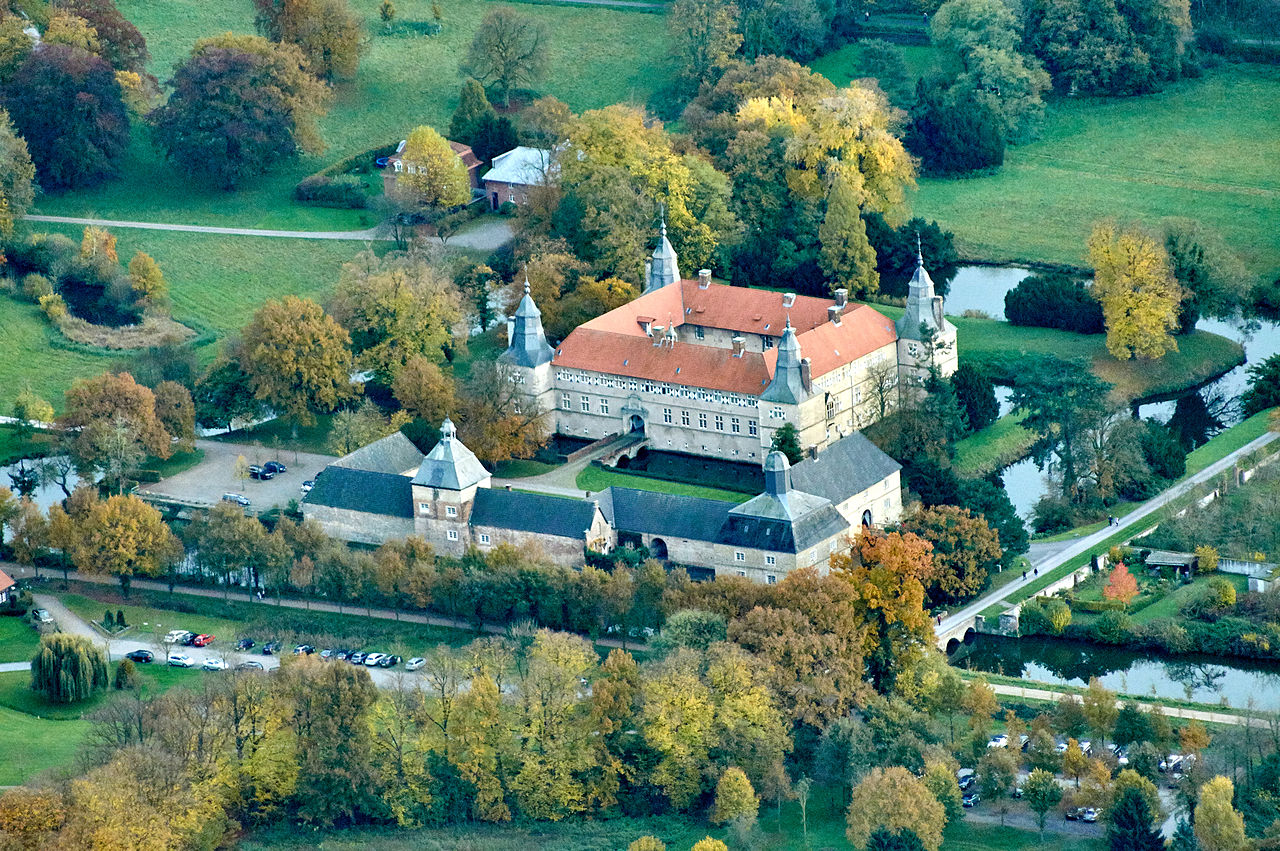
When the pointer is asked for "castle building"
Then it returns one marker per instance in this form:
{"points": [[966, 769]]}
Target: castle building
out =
{"points": [[714, 370]]}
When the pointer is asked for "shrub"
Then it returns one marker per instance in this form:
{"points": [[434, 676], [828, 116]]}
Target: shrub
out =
{"points": [[508, 208], [1206, 559], [1112, 628], [1054, 301], [68, 668], [126, 675], [36, 287], [953, 136], [344, 192], [120, 624], [54, 307]]}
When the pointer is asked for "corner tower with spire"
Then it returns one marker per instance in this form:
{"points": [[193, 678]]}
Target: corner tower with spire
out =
{"points": [[926, 340], [528, 355], [663, 267]]}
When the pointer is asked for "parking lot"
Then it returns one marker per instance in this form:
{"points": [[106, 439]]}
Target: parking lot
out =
{"points": [[205, 483]]}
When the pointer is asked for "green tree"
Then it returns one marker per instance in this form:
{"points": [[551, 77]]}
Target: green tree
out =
{"points": [[847, 257], [1129, 781], [1264, 386], [996, 774], [942, 784], [226, 540], [126, 676], [976, 395], [892, 798], [387, 13], [1139, 295], [433, 172], [704, 39], [327, 31], [1218, 826], [481, 739], [966, 550], [787, 441], [1184, 837], [735, 799], [884, 62], [882, 839], [508, 50], [1060, 399], [473, 105], [67, 105], [15, 45], [1214, 281], [28, 410], [1100, 710], [297, 358], [17, 176], [1042, 793], [119, 41], [68, 668], [225, 394]]}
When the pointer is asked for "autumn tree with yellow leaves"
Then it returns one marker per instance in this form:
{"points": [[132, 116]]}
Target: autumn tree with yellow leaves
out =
{"points": [[432, 171], [894, 799], [1135, 285]]}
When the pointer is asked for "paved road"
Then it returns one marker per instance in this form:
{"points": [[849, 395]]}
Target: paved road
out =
{"points": [[1053, 559], [487, 235]]}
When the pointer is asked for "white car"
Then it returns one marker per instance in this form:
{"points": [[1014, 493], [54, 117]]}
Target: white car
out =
{"points": [[1000, 741], [175, 635], [181, 660], [415, 663], [373, 659], [213, 664]]}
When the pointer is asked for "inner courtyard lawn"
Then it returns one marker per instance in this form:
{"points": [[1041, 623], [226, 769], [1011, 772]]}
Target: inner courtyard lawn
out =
{"points": [[597, 57], [1204, 149]]}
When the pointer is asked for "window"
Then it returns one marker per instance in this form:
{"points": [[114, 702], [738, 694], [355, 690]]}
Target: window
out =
{"points": [[586, 404], [565, 401], [484, 539], [752, 428], [770, 560], [739, 556], [702, 420], [768, 343], [412, 170], [742, 573], [452, 534], [719, 423], [684, 418], [735, 425], [511, 196], [666, 416], [771, 579], [604, 406], [776, 414], [450, 511], [913, 349], [399, 166], [698, 332], [424, 508]]}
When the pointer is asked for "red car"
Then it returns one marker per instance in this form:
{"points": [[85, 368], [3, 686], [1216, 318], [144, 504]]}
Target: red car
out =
{"points": [[202, 641]]}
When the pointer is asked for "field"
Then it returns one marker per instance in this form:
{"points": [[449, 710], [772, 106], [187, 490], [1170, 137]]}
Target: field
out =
{"points": [[597, 57], [18, 639], [1204, 148], [40, 744]]}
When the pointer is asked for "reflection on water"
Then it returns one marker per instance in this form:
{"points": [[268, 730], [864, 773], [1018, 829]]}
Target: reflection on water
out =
{"points": [[983, 288], [45, 495], [1198, 678]]}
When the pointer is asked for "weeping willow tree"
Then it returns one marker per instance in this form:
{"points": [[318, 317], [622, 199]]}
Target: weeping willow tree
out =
{"points": [[68, 668]]}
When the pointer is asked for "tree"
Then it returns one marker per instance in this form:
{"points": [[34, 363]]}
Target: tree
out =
{"points": [[1042, 793], [17, 176], [942, 784], [433, 171], [997, 772], [124, 537], [1121, 585], [847, 257], [490, 418], [508, 50], [1184, 837], [883, 62], [387, 13], [787, 441], [15, 45], [709, 844], [327, 31], [734, 798], [1264, 387], [1218, 826], [147, 280], [966, 550], [297, 358], [542, 123], [360, 426], [1099, 704], [227, 119], [647, 843], [71, 31], [953, 135], [1074, 761], [396, 308], [473, 106], [119, 41], [900, 840], [704, 39], [68, 668], [29, 410], [1130, 781], [1060, 399], [126, 676], [1214, 281], [225, 540], [225, 394], [176, 412], [495, 134], [1136, 288], [1129, 824], [976, 395], [1054, 301], [117, 425], [480, 740], [892, 798], [68, 107]]}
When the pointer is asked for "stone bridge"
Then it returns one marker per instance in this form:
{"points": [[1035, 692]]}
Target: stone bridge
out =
{"points": [[952, 632]]}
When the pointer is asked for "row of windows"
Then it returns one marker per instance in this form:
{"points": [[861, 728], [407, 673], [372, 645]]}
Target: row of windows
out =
{"points": [[739, 555], [656, 388], [735, 423]]}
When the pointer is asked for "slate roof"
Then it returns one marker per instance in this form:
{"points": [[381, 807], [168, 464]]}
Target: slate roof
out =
{"points": [[847, 467], [665, 514], [767, 533], [362, 490], [564, 517], [450, 464], [394, 453]]}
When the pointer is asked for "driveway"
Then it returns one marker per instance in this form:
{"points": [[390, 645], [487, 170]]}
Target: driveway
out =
{"points": [[205, 483]]}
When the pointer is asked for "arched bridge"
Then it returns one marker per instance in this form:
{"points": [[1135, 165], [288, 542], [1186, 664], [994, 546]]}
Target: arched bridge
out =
{"points": [[953, 632]]}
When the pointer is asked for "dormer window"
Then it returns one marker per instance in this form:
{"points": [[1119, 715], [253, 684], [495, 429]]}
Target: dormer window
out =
{"points": [[399, 166]]}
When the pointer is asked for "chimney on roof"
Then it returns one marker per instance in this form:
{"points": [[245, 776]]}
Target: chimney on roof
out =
{"points": [[813, 451], [806, 373], [704, 278], [842, 297], [739, 346], [833, 314], [788, 299]]}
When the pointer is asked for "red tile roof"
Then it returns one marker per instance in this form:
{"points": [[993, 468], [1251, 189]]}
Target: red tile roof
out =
{"points": [[464, 152], [5, 582], [616, 343]]}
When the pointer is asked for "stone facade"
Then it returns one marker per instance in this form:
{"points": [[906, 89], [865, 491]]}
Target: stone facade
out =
{"points": [[360, 527]]}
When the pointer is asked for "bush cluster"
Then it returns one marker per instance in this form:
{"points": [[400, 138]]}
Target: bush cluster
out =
{"points": [[1054, 301], [344, 192]]}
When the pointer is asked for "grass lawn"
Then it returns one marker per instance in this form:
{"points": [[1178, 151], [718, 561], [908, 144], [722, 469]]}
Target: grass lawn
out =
{"points": [[837, 66], [597, 56], [311, 438], [1228, 441], [596, 479], [521, 468], [33, 745], [996, 446], [145, 617], [18, 639], [1170, 604], [178, 462], [1203, 148], [13, 446]]}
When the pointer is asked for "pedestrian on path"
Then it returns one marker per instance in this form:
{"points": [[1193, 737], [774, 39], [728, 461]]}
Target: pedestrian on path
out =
{"points": [[1024, 575]]}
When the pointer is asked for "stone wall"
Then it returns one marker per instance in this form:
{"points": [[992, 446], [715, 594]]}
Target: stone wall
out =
{"points": [[358, 526]]}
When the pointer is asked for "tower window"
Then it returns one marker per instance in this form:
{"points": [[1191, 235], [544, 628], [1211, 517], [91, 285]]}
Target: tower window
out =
{"points": [[484, 539], [739, 556], [450, 511], [452, 534], [698, 332]]}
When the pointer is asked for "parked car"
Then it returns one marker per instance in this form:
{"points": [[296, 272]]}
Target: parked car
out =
{"points": [[214, 664], [274, 467], [1171, 763], [141, 656], [970, 799], [373, 659], [249, 665], [271, 648], [1089, 814], [175, 636], [415, 663], [244, 644], [181, 660], [999, 741], [308, 485], [966, 777], [356, 658], [1072, 813], [1015, 792], [189, 639], [237, 498], [202, 640], [42, 616], [303, 650], [256, 472], [389, 661]]}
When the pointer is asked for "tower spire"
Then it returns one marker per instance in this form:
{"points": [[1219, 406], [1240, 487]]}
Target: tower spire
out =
{"points": [[662, 268]]}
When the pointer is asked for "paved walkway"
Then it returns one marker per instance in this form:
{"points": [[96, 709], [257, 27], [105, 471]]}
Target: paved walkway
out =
{"points": [[7, 667], [563, 480], [488, 235], [1051, 559]]}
